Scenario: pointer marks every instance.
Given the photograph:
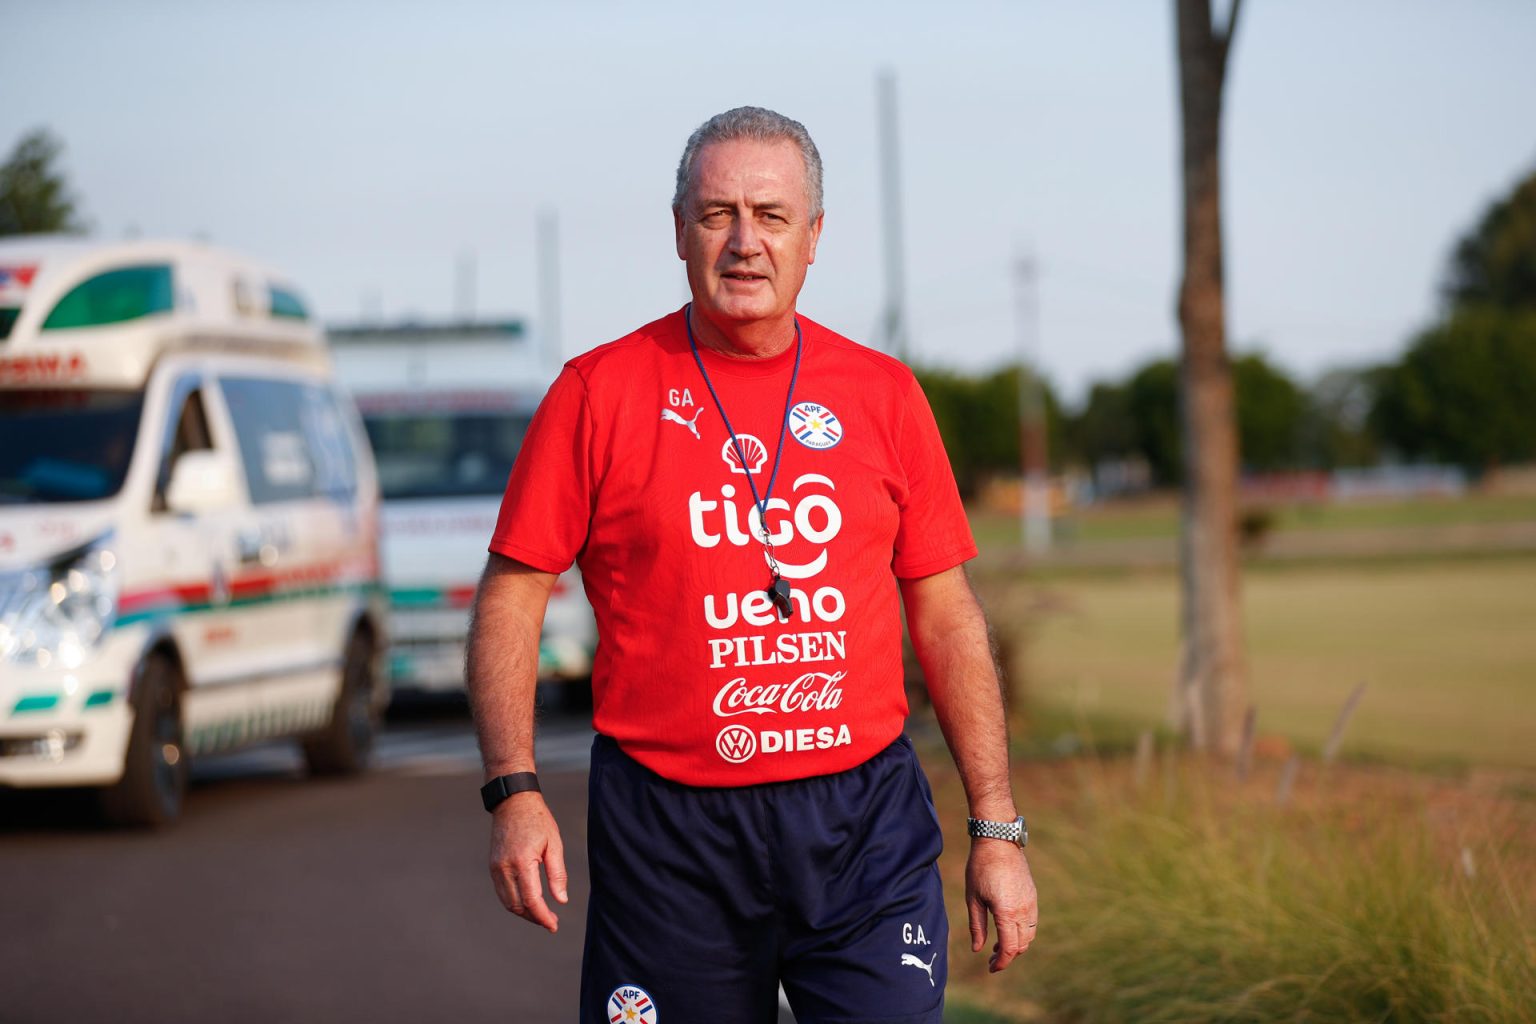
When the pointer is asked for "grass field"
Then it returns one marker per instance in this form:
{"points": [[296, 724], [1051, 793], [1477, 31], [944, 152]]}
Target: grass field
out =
{"points": [[1447, 651], [1442, 633], [1158, 518], [1170, 890]]}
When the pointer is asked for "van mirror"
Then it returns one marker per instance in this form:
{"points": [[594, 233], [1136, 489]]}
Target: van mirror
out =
{"points": [[202, 481]]}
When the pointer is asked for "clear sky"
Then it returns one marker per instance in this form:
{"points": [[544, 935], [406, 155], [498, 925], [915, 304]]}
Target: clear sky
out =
{"points": [[363, 147]]}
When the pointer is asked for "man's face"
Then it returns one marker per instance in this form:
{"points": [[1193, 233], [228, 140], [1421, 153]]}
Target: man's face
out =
{"points": [[745, 230]]}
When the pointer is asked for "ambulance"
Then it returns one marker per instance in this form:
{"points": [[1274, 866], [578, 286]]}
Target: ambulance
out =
{"points": [[445, 407], [188, 524]]}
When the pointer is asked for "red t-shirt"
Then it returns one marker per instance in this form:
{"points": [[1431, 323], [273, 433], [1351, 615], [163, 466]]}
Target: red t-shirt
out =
{"points": [[628, 469]]}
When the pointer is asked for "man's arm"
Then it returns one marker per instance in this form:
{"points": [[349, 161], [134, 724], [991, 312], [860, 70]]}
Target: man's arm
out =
{"points": [[949, 634], [502, 672]]}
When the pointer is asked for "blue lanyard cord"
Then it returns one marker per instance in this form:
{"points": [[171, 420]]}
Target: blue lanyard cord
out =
{"points": [[789, 402]]}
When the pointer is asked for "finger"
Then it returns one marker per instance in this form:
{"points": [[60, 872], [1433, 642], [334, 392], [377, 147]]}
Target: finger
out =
{"points": [[1011, 942], [978, 915], [506, 892], [531, 892], [554, 867]]}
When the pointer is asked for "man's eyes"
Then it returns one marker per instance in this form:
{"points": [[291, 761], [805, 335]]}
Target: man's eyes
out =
{"points": [[722, 215]]}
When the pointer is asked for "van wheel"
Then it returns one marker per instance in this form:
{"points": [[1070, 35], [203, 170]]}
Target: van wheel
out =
{"points": [[154, 783], [346, 745]]}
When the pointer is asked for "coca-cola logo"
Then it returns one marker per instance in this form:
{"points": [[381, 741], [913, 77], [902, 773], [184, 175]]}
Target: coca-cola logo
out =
{"points": [[736, 743], [814, 691]]}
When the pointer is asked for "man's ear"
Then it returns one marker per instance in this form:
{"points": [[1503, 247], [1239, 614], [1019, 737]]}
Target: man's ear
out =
{"points": [[816, 234], [677, 230]]}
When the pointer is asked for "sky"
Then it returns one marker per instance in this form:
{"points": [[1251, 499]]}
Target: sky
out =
{"points": [[366, 148]]}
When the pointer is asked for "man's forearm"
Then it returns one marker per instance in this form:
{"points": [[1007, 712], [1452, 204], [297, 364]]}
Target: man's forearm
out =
{"points": [[949, 635], [502, 664]]}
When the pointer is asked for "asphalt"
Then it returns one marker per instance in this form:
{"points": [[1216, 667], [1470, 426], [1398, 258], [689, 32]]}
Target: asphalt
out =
{"points": [[282, 899]]}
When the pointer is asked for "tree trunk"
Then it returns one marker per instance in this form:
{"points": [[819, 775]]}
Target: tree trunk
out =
{"points": [[1212, 695]]}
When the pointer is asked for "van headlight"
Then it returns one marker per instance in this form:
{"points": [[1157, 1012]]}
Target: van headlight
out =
{"points": [[55, 614]]}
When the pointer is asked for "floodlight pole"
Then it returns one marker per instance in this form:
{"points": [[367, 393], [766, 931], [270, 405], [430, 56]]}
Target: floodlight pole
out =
{"points": [[1034, 458], [894, 320], [548, 243], [465, 281]]}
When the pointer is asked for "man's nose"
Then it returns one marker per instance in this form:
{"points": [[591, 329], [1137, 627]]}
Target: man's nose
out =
{"points": [[744, 240]]}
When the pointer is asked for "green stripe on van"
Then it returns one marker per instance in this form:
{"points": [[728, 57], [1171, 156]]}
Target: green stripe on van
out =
{"points": [[36, 702], [101, 698], [297, 594]]}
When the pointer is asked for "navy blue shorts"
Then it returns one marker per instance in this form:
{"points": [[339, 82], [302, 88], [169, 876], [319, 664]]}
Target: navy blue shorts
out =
{"points": [[705, 900]]}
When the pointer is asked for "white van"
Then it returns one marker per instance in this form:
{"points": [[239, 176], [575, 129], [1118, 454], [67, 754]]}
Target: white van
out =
{"points": [[446, 407], [188, 524]]}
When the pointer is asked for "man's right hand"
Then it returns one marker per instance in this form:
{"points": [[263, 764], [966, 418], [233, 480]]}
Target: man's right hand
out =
{"points": [[523, 837]]}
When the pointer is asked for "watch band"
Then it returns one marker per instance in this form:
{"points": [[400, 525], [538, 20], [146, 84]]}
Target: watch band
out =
{"points": [[1015, 831], [503, 786]]}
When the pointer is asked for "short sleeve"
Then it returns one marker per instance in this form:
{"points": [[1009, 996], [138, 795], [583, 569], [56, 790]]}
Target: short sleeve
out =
{"points": [[933, 534], [547, 506]]}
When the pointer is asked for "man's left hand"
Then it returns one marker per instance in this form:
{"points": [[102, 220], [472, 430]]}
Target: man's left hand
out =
{"points": [[997, 880]]}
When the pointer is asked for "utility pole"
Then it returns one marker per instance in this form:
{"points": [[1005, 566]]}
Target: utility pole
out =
{"points": [[1034, 457], [894, 318], [548, 245], [465, 286]]}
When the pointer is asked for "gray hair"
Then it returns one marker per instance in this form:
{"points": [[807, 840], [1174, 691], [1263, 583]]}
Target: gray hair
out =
{"points": [[759, 125]]}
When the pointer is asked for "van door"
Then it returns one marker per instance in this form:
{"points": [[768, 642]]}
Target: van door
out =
{"points": [[290, 554], [195, 559]]}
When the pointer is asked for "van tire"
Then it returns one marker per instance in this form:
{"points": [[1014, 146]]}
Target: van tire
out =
{"points": [[346, 745], [154, 783]]}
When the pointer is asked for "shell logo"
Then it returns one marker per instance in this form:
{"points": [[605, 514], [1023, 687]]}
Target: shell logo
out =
{"points": [[753, 449]]}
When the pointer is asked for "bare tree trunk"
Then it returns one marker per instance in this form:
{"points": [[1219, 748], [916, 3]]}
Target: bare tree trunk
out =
{"points": [[1213, 686]]}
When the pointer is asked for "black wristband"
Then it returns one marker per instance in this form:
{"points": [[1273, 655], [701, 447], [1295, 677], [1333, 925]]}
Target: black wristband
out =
{"points": [[503, 786]]}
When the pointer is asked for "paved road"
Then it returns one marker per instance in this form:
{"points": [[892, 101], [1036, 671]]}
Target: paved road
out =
{"points": [[280, 898]]}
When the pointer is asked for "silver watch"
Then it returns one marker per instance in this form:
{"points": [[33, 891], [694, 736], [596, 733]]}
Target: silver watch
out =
{"points": [[1015, 831]]}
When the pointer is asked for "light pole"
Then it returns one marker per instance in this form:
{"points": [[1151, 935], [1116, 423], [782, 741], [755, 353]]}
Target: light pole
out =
{"points": [[1035, 508]]}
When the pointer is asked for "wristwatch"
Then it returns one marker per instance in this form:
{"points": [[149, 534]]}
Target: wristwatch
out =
{"points": [[1015, 831], [503, 786]]}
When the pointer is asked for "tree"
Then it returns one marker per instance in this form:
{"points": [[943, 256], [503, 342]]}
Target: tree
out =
{"points": [[34, 197], [1103, 430], [1465, 392], [1153, 396], [1211, 700], [978, 418], [1495, 263], [1270, 411], [1336, 430]]}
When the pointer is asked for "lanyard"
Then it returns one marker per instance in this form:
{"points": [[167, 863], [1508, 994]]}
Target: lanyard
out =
{"points": [[778, 590]]}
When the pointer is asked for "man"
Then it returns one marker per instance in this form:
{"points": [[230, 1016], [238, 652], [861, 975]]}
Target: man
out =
{"points": [[747, 494]]}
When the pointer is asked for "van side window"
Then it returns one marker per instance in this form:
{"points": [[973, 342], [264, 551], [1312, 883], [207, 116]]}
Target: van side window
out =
{"points": [[294, 440], [330, 443], [117, 295], [190, 435], [285, 303]]}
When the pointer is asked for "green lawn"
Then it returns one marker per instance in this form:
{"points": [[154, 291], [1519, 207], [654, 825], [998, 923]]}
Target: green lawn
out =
{"points": [[1446, 649], [1158, 518]]}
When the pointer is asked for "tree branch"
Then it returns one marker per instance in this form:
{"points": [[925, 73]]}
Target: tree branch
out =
{"points": [[1223, 40]]}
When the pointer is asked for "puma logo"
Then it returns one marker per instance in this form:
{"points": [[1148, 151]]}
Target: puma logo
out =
{"points": [[671, 417], [908, 960]]}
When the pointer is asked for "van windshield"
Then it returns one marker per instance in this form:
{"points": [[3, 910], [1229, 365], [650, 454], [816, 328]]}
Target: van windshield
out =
{"points": [[66, 444], [438, 455]]}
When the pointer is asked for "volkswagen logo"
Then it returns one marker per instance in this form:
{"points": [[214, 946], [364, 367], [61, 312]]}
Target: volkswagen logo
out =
{"points": [[736, 743]]}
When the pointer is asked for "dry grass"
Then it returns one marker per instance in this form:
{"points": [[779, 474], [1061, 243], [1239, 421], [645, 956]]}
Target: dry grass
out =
{"points": [[1377, 895]]}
